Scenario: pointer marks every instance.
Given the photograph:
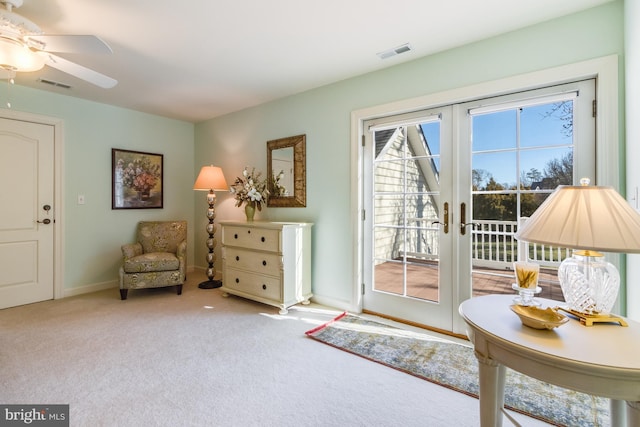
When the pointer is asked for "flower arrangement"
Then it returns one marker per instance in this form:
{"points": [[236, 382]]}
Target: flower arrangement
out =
{"points": [[139, 175], [277, 185], [250, 189]]}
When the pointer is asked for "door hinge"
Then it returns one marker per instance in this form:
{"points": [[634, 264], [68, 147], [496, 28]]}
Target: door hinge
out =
{"points": [[594, 108], [363, 289], [364, 215], [362, 140]]}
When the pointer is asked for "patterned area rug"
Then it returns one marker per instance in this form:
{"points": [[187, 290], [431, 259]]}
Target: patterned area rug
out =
{"points": [[454, 366]]}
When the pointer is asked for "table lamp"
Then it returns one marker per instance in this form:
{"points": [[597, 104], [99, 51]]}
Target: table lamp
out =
{"points": [[211, 179], [588, 219]]}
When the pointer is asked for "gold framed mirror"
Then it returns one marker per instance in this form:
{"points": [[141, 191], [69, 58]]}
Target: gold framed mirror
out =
{"points": [[287, 172]]}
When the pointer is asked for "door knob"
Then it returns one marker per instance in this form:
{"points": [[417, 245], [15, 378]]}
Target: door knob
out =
{"points": [[44, 221]]}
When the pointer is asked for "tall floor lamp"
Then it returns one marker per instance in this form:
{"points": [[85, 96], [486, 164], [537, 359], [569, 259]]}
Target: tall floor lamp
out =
{"points": [[211, 179]]}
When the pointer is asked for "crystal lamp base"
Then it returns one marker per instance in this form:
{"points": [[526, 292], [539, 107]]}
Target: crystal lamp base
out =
{"points": [[589, 283]]}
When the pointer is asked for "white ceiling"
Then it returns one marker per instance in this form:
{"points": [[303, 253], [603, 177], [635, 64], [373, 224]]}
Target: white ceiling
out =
{"points": [[197, 59]]}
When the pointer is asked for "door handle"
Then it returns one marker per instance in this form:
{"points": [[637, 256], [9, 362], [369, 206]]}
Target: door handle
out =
{"points": [[44, 221], [463, 215], [445, 222]]}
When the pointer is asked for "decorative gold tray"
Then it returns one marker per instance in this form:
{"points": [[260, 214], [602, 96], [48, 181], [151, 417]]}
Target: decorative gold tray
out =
{"points": [[539, 318]]}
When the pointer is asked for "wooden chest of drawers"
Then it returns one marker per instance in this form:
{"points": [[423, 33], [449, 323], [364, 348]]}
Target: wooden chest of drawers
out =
{"points": [[269, 262]]}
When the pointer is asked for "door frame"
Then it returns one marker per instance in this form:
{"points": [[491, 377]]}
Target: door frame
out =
{"points": [[58, 197], [604, 70]]}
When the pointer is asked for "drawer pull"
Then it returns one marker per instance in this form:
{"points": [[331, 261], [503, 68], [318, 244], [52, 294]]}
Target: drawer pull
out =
{"points": [[235, 236], [262, 239], [264, 263], [264, 287], [237, 258], [237, 280]]}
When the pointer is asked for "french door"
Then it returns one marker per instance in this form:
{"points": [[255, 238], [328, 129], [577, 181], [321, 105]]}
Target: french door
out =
{"points": [[408, 206], [432, 176]]}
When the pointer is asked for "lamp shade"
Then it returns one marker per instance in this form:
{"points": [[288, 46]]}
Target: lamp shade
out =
{"points": [[211, 178], [584, 217]]}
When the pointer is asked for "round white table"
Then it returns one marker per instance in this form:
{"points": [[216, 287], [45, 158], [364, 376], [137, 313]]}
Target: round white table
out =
{"points": [[602, 360]]}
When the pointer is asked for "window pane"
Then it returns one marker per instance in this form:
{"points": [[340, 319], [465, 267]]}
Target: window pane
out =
{"points": [[501, 166], [388, 176], [545, 169], [389, 210], [431, 132], [422, 280], [548, 124], [496, 207], [389, 277], [530, 201], [494, 131]]}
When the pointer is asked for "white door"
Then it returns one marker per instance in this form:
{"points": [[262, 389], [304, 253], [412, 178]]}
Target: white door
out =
{"points": [[26, 212]]}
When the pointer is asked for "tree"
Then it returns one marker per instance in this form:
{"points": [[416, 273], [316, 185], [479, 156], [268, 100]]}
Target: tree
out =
{"points": [[559, 171], [563, 111], [492, 205], [479, 177], [528, 178]]}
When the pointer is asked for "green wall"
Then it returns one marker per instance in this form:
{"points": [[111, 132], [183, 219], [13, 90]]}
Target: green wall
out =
{"points": [[93, 232], [239, 139]]}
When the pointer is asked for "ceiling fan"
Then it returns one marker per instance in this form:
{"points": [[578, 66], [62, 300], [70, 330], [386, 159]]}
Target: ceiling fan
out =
{"points": [[24, 47]]}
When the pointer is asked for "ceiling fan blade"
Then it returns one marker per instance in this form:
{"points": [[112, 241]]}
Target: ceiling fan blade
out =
{"points": [[68, 43], [79, 71]]}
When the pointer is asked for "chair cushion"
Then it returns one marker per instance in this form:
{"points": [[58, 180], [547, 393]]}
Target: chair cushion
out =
{"points": [[153, 261]]}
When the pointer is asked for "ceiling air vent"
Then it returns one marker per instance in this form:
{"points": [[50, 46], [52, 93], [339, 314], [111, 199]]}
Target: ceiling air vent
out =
{"points": [[395, 51], [56, 84]]}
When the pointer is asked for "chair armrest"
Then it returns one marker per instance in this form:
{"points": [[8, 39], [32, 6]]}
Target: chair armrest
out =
{"points": [[182, 249], [181, 253], [130, 250]]}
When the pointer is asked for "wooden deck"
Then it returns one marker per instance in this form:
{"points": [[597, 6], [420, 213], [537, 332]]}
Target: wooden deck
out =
{"points": [[422, 281]]}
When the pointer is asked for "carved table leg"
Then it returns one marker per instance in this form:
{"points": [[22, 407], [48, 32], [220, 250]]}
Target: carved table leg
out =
{"points": [[491, 377]]}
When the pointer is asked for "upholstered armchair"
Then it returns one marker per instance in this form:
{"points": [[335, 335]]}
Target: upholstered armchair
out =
{"points": [[157, 259]]}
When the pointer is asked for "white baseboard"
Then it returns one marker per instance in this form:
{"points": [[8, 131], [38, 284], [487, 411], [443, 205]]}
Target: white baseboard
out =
{"points": [[95, 287], [335, 303]]}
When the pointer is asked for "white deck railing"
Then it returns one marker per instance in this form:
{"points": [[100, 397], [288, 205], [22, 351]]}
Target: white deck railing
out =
{"points": [[494, 246]]}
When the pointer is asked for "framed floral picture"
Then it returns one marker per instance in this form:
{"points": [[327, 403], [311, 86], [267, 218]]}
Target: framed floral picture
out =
{"points": [[136, 180]]}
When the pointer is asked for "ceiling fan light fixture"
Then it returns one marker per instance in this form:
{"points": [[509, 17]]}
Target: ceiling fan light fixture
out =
{"points": [[18, 58]]}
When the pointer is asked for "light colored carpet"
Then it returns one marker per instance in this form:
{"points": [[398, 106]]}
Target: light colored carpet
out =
{"points": [[199, 359]]}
